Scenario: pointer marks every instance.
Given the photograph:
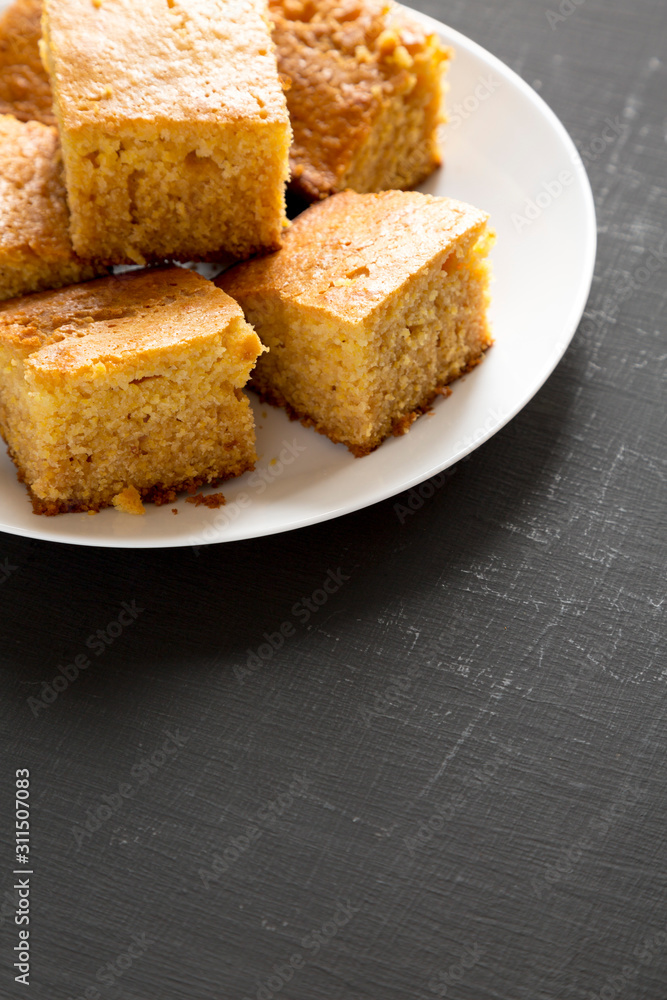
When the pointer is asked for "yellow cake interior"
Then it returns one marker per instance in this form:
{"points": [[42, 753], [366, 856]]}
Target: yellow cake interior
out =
{"points": [[187, 194]]}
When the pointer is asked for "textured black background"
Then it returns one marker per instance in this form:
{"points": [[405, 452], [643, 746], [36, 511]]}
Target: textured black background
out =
{"points": [[495, 666]]}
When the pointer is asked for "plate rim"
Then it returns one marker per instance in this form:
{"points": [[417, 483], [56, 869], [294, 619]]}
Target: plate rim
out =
{"points": [[589, 224]]}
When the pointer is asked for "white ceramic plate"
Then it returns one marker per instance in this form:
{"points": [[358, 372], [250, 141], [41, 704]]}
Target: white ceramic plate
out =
{"points": [[506, 152]]}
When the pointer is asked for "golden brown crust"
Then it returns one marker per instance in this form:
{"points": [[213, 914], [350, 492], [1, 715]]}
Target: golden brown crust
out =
{"points": [[115, 318], [352, 66], [345, 255], [35, 247], [25, 91], [179, 61]]}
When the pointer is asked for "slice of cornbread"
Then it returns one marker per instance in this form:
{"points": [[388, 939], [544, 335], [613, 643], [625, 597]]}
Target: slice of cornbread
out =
{"points": [[35, 247], [173, 124], [130, 381], [25, 91], [365, 94], [375, 303]]}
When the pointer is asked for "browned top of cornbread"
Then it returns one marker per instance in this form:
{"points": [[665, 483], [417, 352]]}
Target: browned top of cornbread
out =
{"points": [[25, 90], [104, 324], [33, 207], [348, 254], [343, 58], [162, 61]]}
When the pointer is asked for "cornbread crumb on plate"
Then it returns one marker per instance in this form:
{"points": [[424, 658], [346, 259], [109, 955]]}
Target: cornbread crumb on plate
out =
{"points": [[35, 248], [25, 91], [365, 94], [211, 500], [125, 387], [173, 124], [129, 501], [375, 303]]}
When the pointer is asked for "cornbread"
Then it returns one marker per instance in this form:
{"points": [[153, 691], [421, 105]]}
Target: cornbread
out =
{"points": [[173, 124], [124, 384], [374, 304], [129, 501], [35, 248], [365, 94], [25, 91]]}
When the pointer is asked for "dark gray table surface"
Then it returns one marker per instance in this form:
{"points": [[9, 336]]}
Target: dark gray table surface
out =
{"points": [[450, 780]]}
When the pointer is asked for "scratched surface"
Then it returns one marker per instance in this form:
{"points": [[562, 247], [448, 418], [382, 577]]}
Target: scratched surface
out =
{"points": [[446, 777]]}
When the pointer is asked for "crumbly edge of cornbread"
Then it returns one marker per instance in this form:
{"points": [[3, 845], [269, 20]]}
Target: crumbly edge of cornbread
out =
{"points": [[159, 494], [25, 91], [370, 121], [179, 193], [424, 336]]}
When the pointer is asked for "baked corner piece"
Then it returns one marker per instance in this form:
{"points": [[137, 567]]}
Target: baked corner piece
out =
{"points": [[365, 94], [173, 124], [35, 247], [25, 91], [129, 381], [374, 304]]}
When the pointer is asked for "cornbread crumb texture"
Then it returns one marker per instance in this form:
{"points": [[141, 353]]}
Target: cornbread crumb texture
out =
{"points": [[174, 127], [129, 381], [35, 248], [211, 500], [374, 304], [365, 94], [25, 91], [129, 501]]}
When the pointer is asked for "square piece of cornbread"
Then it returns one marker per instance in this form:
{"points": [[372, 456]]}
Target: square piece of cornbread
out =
{"points": [[125, 382], [374, 304], [25, 91], [35, 247], [173, 124], [365, 94]]}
